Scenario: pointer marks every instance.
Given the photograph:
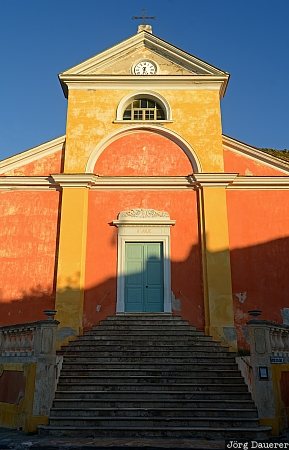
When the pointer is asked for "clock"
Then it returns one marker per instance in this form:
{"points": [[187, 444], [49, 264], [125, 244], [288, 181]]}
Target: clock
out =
{"points": [[145, 67]]}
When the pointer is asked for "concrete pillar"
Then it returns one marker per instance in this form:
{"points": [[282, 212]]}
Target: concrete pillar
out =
{"points": [[218, 297]]}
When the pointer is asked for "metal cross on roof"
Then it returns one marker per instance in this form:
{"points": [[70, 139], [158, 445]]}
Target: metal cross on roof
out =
{"points": [[143, 17]]}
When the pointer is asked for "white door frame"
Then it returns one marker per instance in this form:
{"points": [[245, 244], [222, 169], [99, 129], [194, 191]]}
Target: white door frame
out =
{"points": [[143, 225]]}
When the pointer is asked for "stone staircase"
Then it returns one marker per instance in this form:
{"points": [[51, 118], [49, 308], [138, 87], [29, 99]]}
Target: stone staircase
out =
{"points": [[151, 376]]}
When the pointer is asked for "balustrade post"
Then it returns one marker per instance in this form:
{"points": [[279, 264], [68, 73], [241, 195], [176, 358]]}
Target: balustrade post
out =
{"points": [[33, 345], [262, 343], [45, 384]]}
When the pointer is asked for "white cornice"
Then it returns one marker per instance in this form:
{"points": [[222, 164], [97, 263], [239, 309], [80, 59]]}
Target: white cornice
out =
{"points": [[32, 154], [75, 180], [267, 183], [255, 154], [214, 179], [132, 183], [96, 182], [26, 183], [173, 82]]}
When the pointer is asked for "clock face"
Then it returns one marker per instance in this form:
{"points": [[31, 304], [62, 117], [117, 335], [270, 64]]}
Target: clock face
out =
{"points": [[145, 68]]}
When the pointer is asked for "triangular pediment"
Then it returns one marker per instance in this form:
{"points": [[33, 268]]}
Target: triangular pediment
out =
{"points": [[119, 59]]}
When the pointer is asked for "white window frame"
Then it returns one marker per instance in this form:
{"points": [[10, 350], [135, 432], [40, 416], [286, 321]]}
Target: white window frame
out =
{"points": [[123, 104]]}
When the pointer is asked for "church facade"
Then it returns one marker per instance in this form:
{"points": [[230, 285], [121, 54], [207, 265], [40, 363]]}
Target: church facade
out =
{"points": [[144, 205]]}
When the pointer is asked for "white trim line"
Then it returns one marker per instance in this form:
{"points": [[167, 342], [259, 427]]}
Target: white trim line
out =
{"points": [[95, 182], [192, 83], [27, 183], [268, 183], [104, 143], [113, 183], [32, 154], [143, 122]]}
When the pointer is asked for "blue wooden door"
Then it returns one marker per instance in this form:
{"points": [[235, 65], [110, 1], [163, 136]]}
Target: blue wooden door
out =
{"points": [[144, 277]]}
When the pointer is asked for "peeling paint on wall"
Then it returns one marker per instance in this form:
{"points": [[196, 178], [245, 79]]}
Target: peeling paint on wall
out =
{"points": [[241, 296], [28, 236]]}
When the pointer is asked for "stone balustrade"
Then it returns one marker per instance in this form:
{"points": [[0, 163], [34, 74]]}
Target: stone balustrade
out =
{"points": [[269, 356], [28, 353], [279, 341], [269, 340], [29, 339]]}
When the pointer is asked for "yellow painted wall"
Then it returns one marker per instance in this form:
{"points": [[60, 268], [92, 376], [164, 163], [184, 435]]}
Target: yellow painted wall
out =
{"points": [[280, 422], [216, 265], [21, 415], [91, 115], [71, 262]]}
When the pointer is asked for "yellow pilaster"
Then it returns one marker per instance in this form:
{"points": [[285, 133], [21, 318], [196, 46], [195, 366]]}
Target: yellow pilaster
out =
{"points": [[216, 260], [71, 261]]}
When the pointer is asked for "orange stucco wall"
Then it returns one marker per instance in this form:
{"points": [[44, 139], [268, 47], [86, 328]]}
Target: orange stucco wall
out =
{"points": [[259, 250], [238, 163], [101, 264], [28, 234], [144, 154], [43, 166]]}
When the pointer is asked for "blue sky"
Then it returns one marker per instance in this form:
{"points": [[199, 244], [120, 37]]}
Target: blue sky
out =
{"points": [[41, 38]]}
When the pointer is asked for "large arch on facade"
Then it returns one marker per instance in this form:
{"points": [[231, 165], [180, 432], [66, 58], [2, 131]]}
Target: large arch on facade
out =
{"points": [[171, 135]]}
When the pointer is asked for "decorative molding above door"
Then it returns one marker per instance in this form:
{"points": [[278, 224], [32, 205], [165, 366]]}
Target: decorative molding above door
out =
{"points": [[143, 225]]}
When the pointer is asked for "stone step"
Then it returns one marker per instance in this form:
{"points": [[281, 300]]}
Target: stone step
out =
{"points": [[153, 422], [155, 412], [192, 353], [149, 366], [194, 359], [199, 372], [152, 394], [151, 376], [255, 433], [154, 341], [155, 403], [67, 378], [146, 331], [132, 344], [150, 320], [130, 327], [143, 322], [143, 316], [168, 387]]}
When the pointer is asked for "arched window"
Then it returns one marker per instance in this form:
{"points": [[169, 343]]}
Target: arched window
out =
{"points": [[143, 106], [144, 109]]}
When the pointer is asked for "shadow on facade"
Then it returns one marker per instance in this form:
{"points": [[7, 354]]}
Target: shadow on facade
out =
{"points": [[260, 280]]}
